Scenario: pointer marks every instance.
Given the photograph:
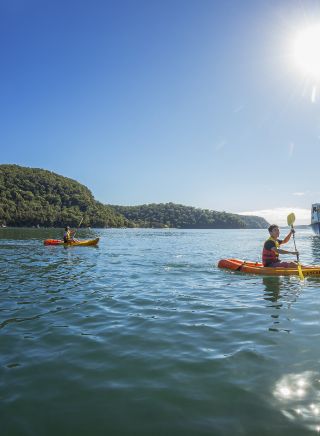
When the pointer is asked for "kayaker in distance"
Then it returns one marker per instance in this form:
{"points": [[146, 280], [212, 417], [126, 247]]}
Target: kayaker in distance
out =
{"points": [[68, 235], [271, 250]]}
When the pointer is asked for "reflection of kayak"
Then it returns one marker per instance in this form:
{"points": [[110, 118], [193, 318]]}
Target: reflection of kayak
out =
{"points": [[257, 268], [84, 243]]}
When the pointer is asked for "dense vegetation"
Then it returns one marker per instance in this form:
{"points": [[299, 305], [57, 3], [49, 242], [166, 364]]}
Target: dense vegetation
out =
{"points": [[185, 217], [31, 196], [36, 197]]}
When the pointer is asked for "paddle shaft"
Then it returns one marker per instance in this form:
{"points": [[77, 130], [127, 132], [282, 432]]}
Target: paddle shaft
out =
{"points": [[294, 241], [290, 220], [80, 225]]}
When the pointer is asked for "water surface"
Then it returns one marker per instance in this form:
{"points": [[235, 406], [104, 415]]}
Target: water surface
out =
{"points": [[145, 335]]}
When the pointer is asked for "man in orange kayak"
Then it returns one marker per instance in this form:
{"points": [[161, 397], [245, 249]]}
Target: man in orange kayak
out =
{"points": [[271, 250]]}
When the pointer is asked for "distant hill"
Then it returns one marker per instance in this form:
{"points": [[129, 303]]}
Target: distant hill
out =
{"points": [[255, 222], [187, 217], [298, 226], [32, 196]]}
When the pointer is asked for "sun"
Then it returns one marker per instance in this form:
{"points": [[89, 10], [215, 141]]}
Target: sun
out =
{"points": [[306, 51]]}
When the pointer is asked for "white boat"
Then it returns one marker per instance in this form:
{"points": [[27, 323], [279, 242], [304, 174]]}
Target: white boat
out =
{"points": [[315, 218]]}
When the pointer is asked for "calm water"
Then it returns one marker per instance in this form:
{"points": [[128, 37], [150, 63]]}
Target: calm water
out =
{"points": [[144, 335]]}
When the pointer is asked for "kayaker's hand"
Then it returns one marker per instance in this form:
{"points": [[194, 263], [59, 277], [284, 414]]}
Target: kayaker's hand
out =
{"points": [[293, 231], [296, 253]]}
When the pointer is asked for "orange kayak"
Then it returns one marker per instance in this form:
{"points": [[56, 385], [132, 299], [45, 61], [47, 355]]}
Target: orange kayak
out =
{"points": [[248, 267], [84, 243]]}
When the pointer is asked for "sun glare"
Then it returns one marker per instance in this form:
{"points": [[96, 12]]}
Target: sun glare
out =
{"points": [[307, 51]]}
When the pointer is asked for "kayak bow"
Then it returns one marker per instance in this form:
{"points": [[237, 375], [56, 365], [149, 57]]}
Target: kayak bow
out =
{"points": [[248, 267]]}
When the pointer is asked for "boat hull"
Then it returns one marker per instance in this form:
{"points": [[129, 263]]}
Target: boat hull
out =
{"points": [[84, 243], [315, 218], [248, 267]]}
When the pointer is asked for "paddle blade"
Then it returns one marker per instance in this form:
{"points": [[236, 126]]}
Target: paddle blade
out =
{"points": [[291, 219], [300, 272]]}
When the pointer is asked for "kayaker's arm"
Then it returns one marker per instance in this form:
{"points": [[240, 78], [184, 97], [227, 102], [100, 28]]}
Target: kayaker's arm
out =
{"points": [[280, 251], [287, 238], [73, 232]]}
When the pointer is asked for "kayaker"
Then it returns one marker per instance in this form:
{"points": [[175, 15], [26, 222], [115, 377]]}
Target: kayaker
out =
{"points": [[271, 250], [68, 235]]}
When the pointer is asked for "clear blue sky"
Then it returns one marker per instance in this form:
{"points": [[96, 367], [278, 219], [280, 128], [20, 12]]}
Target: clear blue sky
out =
{"points": [[191, 101]]}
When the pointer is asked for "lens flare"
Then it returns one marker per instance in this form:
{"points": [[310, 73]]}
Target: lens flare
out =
{"points": [[307, 51]]}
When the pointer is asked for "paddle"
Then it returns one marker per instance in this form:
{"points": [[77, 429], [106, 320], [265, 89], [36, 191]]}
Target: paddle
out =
{"points": [[290, 220], [78, 227]]}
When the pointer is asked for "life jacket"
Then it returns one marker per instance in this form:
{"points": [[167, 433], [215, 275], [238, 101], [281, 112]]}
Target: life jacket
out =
{"points": [[270, 256], [67, 236]]}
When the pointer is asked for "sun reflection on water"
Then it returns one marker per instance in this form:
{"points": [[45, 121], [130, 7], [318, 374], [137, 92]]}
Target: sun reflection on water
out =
{"points": [[299, 395]]}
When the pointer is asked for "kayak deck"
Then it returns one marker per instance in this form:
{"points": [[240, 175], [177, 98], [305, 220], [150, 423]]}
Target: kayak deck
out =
{"points": [[84, 243], [248, 267]]}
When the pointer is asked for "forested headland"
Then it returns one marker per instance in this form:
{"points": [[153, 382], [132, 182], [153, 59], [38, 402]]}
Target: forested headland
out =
{"points": [[37, 197], [187, 217]]}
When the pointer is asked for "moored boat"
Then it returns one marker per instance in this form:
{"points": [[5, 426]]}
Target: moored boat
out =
{"points": [[84, 243], [248, 267], [315, 218]]}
